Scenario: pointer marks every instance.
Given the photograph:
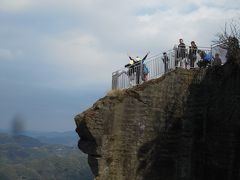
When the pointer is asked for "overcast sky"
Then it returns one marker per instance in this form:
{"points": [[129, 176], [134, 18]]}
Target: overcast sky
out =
{"points": [[57, 56]]}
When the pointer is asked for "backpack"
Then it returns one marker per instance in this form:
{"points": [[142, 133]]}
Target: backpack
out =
{"points": [[207, 57]]}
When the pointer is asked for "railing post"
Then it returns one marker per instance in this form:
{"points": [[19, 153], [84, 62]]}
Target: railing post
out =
{"points": [[141, 72], [115, 80]]}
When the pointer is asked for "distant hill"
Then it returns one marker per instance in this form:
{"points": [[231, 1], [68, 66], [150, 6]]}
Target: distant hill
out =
{"points": [[23, 157], [69, 138], [21, 140]]}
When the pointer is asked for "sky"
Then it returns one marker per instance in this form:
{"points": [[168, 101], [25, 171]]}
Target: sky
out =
{"points": [[57, 56]]}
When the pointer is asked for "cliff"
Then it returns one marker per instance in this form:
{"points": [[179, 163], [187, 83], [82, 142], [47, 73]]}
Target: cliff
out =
{"points": [[182, 126]]}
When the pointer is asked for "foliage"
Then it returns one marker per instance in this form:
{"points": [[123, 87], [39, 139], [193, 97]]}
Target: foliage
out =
{"points": [[42, 161], [231, 30], [229, 39], [115, 92], [203, 64]]}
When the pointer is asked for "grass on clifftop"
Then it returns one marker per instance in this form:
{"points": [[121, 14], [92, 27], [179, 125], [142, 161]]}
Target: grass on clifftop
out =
{"points": [[115, 92]]}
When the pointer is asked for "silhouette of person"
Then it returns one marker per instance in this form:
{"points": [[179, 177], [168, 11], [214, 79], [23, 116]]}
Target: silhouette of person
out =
{"points": [[165, 60]]}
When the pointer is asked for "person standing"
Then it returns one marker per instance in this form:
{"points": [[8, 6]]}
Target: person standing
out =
{"points": [[142, 69], [135, 67], [175, 50], [192, 54], [181, 52], [165, 60], [145, 72], [217, 60], [131, 69]]}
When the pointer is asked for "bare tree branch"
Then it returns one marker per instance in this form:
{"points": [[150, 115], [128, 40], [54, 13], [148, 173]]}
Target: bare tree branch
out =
{"points": [[229, 39]]}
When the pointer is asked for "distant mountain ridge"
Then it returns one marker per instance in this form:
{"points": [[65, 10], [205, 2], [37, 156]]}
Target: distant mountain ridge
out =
{"points": [[21, 140], [68, 138]]}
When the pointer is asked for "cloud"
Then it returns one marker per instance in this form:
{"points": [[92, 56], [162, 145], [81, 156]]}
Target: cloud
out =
{"points": [[14, 5], [49, 46], [80, 36], [81, 55], [6, 54]]}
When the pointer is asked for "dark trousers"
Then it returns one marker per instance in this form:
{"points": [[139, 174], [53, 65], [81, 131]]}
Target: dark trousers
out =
{"points": [[191, 63], [192, 58], [137, 74], [165, 67]]}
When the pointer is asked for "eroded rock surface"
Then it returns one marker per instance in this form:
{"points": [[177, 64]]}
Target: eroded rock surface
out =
{"points": [[182, 126]]}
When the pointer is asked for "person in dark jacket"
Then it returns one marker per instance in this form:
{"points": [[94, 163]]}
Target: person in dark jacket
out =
{"points": [[181, 52], [192, 54]]}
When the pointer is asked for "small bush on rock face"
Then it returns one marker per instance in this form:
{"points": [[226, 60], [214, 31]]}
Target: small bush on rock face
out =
{"points": [[202, 64], [115, 92]]}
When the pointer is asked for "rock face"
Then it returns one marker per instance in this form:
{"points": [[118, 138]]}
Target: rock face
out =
{"points": [[182, 126]]}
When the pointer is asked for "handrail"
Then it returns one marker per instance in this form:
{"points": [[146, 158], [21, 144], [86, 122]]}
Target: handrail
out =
{"points": [[134, 75]]}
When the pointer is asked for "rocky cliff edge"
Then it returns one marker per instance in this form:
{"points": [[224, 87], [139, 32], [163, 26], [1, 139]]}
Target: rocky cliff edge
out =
{"points": [[182, 126]]}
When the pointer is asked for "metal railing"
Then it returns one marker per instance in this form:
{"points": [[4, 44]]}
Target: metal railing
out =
{"points": [[154, 66]]}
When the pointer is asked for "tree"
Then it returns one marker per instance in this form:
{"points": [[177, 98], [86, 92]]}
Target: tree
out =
{"points": [[229, 39]]}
